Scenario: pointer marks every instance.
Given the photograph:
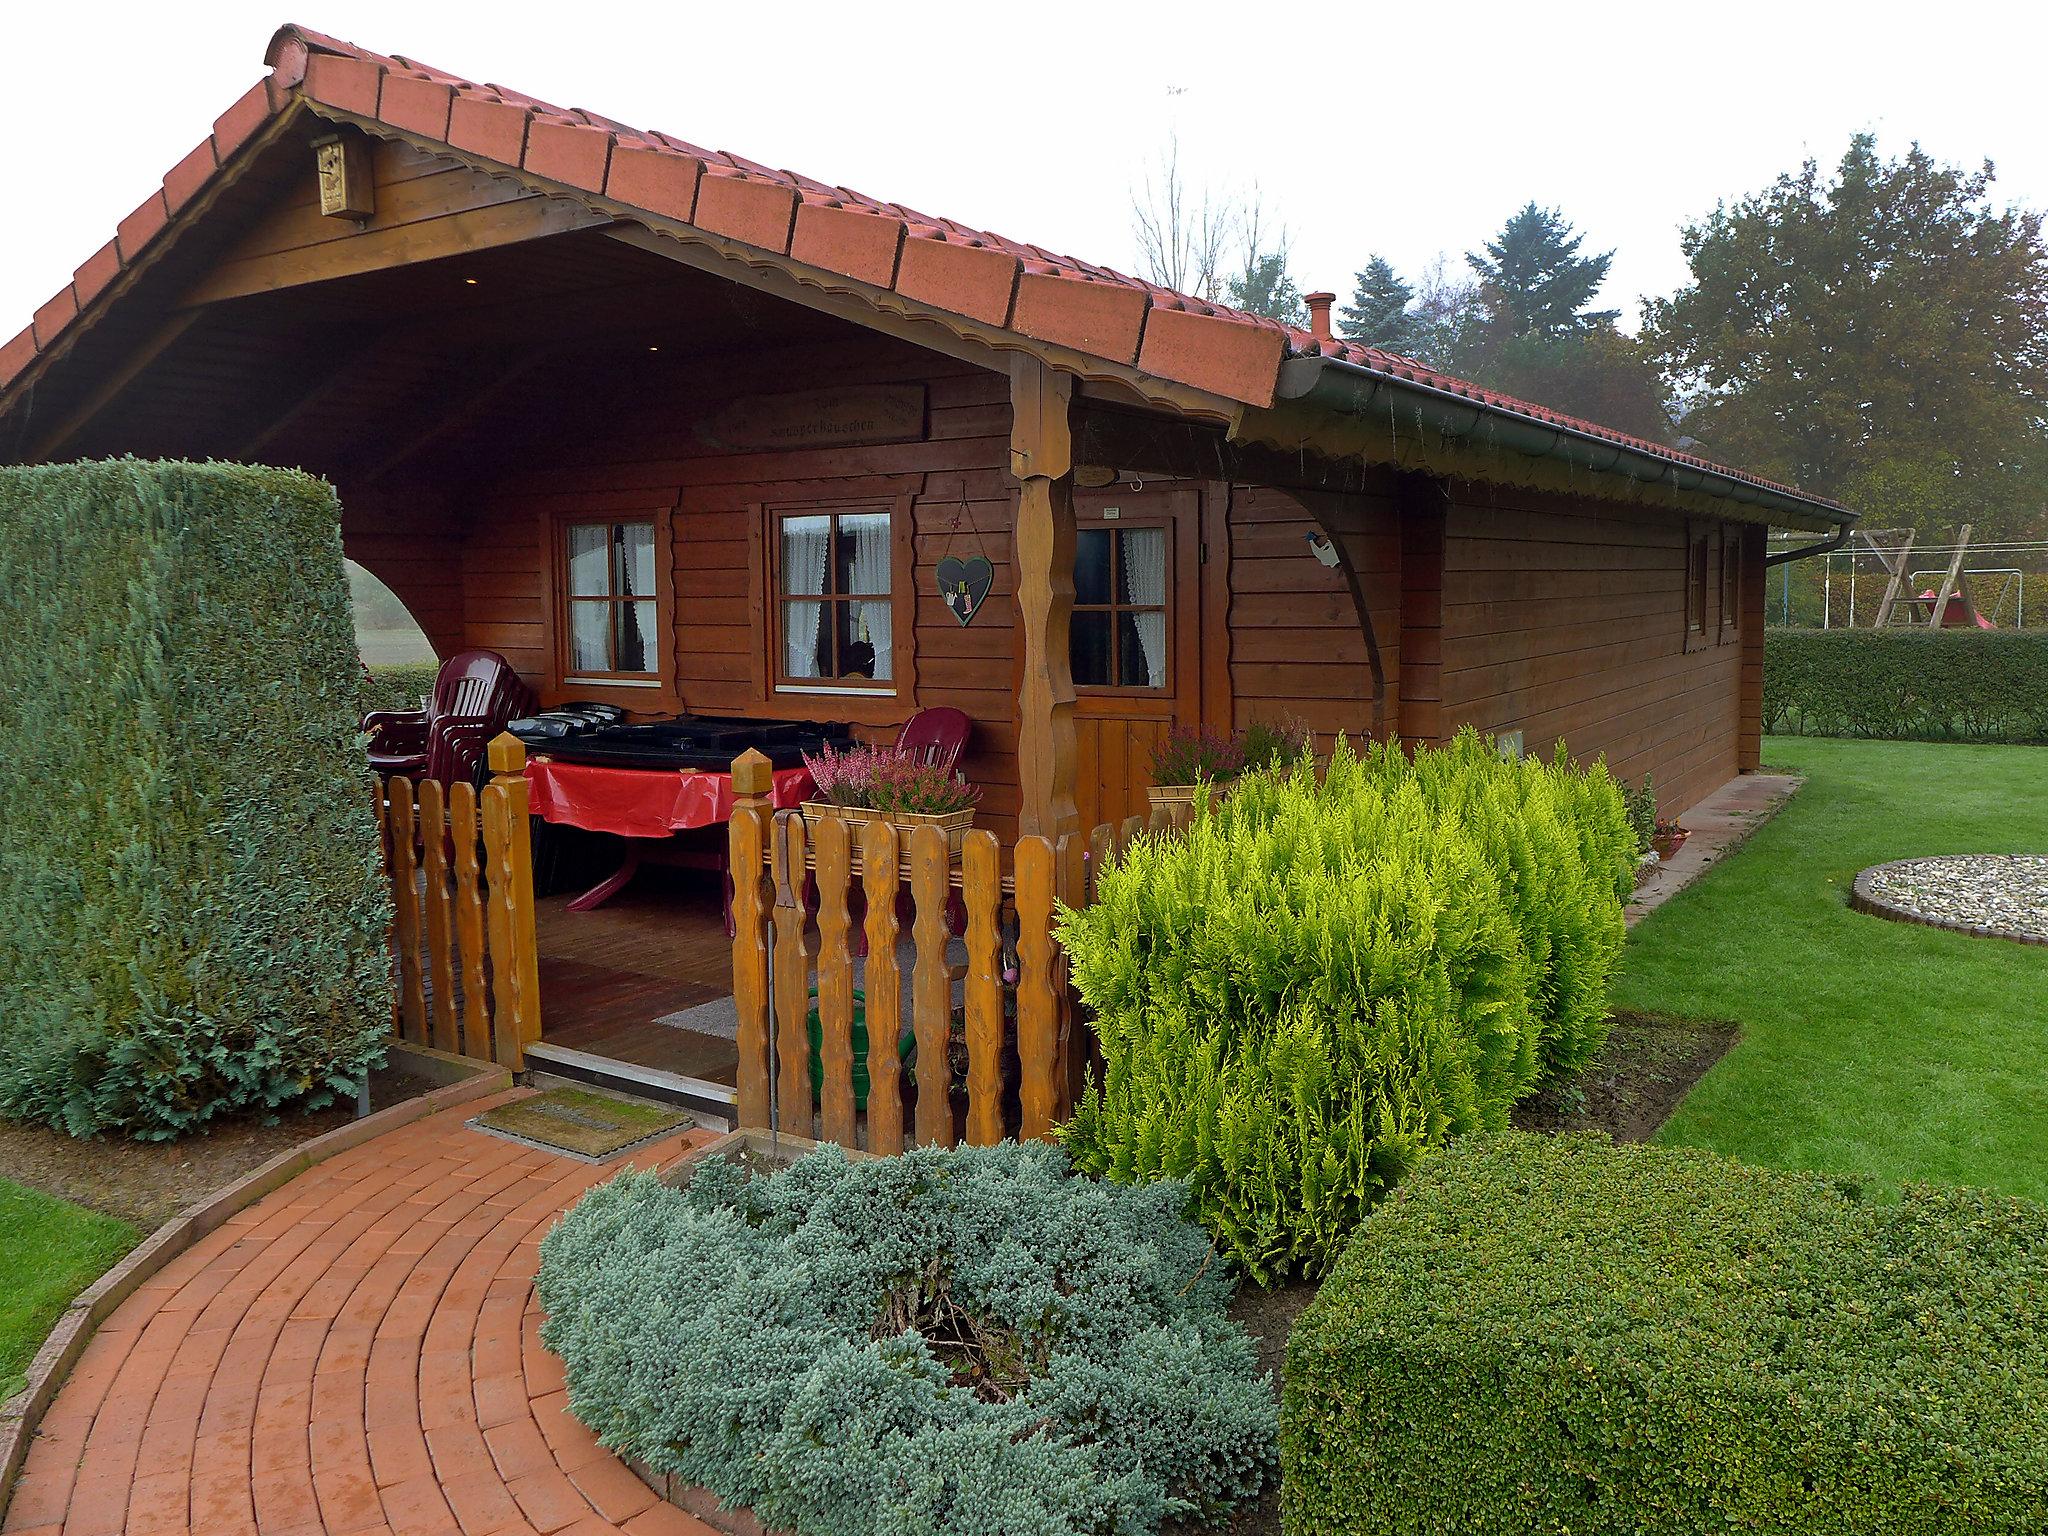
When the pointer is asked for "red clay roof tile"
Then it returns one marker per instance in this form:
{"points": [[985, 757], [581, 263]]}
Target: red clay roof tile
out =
{"points": [[1231, 355], [488, 127], [141, 226], [414, 105], [236, 126], [1101, 318], [17, 355], [566, 150], [347, 83], [972, 273], [972, 280], [754, 210], [100, 269], [55, 314], [659, 180], [849, 241], [185, 178]]}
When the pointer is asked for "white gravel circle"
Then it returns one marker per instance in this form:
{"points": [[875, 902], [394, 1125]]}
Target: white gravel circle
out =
{"points": [[2002, 894]]}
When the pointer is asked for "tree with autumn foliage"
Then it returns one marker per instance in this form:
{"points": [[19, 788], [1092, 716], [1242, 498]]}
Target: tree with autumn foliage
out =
{"points": [[1877, 333]]}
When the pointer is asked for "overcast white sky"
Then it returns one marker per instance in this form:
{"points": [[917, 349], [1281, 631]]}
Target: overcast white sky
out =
{"points": [[1407, 129]]}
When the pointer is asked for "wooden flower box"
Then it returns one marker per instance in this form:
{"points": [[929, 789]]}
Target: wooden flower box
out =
{"points": [[1175, 803], [955, 824]]}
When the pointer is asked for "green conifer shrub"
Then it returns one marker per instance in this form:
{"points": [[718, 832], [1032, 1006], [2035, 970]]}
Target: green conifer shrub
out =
{"points": [[1561, 1334], [1323, 976], [195, 919], [962, 1340], [1560, 838]]}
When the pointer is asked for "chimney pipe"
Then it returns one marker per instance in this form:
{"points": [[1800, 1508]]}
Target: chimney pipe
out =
{"points": [[1319, 314]]}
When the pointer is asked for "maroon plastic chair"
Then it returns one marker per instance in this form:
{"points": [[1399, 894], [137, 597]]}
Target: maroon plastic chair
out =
{"points": [[476, 694], [935, 736]]}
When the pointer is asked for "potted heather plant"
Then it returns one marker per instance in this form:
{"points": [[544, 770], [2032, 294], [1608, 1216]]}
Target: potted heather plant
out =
{"points": [[1188, 757], [884, 784], [1275, 743]]}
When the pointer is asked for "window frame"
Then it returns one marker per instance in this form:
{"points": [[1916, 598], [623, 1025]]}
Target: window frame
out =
{"points": [[1699, 575], [1734, 541], [901, 598], [1165, 689], [561, 616]]}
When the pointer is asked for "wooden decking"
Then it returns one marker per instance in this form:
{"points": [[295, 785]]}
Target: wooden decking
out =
{"points": [[656, 948]]}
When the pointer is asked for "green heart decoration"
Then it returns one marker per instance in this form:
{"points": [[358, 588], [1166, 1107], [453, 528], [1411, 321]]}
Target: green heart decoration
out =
{"points": [[964, 584]]}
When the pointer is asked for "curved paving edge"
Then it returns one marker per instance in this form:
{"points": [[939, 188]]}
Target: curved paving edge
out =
{"points": [[1864, 897], [357, 1351], [48, 1370]]}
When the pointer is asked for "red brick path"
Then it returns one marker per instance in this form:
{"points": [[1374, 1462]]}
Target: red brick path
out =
{"points": [[358, 1352]]}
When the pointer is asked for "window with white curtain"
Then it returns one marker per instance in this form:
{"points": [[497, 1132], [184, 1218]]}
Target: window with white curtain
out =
{"points": [[837, 609], [611, 600], [1118, 635]]}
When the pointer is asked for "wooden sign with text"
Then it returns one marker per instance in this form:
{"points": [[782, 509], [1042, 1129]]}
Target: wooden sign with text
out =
{"points": [[820, 418]]}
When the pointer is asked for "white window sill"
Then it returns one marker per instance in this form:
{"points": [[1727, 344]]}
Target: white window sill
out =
{"points": [[611, 682], [829, 689]]}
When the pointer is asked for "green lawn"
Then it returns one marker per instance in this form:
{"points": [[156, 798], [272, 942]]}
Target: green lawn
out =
{"points": [[50, 1250], [1866, 1045]]}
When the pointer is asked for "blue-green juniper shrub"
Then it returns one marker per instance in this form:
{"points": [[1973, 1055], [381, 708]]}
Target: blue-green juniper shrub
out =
{"points": [[965, 1340]]}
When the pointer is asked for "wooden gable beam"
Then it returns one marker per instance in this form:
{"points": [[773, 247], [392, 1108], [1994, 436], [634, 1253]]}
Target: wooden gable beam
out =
{"points": [[451, 234]]}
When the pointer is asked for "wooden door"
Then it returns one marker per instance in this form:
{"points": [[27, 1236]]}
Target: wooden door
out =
{"points": [[1136, 642]]}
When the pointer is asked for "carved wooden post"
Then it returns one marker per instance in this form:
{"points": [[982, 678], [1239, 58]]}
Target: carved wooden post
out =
{"points": [[1042, 459], [753, 780], [515, 958]]}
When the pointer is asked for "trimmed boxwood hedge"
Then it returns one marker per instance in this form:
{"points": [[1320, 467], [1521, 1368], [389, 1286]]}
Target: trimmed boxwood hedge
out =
{"points": [[194, 918], [1552, 1336], [400, 686], [1987, 685]]}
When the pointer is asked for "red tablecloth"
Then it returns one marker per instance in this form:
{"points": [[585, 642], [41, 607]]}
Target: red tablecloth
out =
{"points": [[644, 802]]}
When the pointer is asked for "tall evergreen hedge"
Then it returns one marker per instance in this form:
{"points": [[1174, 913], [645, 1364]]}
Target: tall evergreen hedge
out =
{"points": [[194, 919], [1328, 973], [1540, 1335], [1987, 685]]}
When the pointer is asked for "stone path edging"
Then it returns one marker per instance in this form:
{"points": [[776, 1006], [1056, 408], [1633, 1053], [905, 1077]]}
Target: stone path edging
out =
{"points": [[21, 1413]]}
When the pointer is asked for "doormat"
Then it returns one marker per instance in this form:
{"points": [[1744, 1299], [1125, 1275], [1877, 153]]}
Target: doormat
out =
{"points": [[586, 1125]]}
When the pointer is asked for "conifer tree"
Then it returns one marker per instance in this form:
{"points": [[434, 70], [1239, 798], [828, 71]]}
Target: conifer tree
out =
{"points": [[1536, 275], [1379, 313]]}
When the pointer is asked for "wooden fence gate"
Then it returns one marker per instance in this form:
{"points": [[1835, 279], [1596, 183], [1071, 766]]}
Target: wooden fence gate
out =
{"points": [[460, 867], [993, 1036]]}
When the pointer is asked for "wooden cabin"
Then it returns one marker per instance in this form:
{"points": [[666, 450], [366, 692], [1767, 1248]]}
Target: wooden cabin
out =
{"points": [[674, 430]]}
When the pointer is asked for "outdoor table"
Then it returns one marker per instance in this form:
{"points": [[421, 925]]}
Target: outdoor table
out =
{"points": [[646, 807]]}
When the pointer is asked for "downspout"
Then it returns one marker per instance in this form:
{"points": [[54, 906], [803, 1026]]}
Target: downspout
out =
{"points": [[1826, 546]]}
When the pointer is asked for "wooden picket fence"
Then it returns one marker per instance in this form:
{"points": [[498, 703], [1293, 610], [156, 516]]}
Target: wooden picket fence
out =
{"points": [[460, 868], [796, 885]]}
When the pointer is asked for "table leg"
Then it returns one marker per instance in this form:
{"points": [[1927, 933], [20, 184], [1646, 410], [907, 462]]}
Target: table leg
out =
{"points": [[612, 884]]}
